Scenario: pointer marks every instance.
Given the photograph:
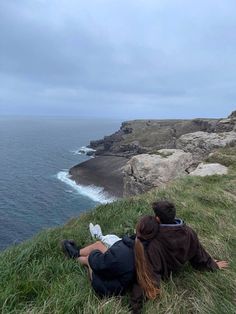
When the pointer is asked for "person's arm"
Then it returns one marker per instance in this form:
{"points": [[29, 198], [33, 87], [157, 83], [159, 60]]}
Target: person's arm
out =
{"points": [[222, 264], [201, 259], [136, 299], [137, 293], [100, 262]]}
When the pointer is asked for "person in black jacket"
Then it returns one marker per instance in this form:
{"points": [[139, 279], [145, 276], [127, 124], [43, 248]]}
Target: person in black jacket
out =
{"points": [[112, 271]]}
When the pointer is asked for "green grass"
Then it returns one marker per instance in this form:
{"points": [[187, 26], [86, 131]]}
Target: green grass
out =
{"points": [[36, 278]]}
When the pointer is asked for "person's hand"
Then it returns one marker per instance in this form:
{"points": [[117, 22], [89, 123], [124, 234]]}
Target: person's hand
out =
{"points": [[222, 264]]}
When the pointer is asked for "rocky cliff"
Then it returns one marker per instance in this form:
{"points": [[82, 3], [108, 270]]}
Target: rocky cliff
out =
{"points": [[144, 154], [147, 136]]}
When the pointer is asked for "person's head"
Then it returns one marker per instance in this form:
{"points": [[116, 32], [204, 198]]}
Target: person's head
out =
{"points": [[146, 230], [165, 211]]}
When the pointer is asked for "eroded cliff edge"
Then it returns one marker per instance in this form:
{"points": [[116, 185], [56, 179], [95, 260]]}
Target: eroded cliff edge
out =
{"points": [[123, 162]]}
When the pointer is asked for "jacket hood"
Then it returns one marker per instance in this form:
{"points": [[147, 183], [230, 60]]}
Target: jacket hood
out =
{"points": [[177, 223], [129, 241]]}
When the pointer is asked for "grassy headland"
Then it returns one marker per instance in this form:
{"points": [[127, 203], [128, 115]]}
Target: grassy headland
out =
{"points": [[36, 278]]}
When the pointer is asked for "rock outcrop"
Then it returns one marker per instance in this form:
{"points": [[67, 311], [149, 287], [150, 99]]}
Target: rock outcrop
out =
{"points": [[203, 170], [153, 152], [232, 115], [226, 125], [145, 171], [200, 144], [146, 136]]}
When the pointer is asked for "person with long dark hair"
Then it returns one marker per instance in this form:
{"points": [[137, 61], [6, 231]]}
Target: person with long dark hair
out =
{"points": [[146, 231], [164, 248]]}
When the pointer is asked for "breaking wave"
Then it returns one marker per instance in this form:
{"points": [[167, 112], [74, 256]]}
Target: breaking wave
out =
{"points": [[95, 193], [82, 150]]}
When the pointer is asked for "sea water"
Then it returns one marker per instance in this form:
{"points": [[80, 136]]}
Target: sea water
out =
{"points": [[35, 189]]}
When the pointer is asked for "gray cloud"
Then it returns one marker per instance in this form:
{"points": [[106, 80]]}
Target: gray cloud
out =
{"points": [[127, 59]]}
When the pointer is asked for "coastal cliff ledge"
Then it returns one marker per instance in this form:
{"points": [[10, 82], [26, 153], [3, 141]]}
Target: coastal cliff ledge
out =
{"points": [[148, 137]]}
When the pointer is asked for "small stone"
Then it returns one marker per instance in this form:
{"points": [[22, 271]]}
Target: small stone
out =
{"points": [[203, 170]]}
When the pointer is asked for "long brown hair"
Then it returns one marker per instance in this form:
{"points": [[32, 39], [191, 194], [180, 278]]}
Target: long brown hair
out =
{"points": [[146, 229]]}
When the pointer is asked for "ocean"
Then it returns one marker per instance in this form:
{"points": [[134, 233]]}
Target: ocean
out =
{"points": [[35, 190]]}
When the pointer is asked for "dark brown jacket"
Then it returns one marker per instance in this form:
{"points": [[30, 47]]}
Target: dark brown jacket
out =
{"points": [[174, 246]]}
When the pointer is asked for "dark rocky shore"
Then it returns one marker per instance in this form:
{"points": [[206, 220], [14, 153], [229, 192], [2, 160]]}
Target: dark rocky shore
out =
{"points": [[104, 171], [146, 137]]}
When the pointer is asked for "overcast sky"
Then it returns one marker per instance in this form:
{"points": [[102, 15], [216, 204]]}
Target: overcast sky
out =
{"points": [[118, 58]]}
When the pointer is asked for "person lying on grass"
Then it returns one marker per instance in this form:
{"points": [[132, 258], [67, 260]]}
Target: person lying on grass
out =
{"points": [[141, 261]]}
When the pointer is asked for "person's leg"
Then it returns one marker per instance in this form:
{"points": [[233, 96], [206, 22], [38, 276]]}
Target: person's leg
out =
{"points": [[72, 251], [84, 261], [84, 252]]}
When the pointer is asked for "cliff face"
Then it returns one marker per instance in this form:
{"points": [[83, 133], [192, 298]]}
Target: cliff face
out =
{"points": [[147, 136], [144, 154]]}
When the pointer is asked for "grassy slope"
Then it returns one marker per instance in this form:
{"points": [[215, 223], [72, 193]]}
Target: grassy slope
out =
{"points": [[35, 277]]}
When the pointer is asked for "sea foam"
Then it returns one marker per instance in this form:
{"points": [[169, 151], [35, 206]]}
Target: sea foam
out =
{"points": [[83, 150], [95, 193]]}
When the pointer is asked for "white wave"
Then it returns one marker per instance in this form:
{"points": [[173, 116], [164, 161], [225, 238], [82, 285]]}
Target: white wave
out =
{"points": [[83, 150], [95, 193]]}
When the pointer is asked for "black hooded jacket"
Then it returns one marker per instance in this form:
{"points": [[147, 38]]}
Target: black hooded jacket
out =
{"points": [[114, 270]]}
